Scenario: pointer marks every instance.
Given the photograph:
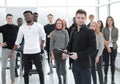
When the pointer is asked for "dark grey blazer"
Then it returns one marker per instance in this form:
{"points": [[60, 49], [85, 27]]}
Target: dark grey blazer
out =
{"points": [[114, 35]]}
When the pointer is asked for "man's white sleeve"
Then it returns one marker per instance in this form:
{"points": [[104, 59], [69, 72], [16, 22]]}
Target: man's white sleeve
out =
{"points": [[42, 33], [19, 37]]}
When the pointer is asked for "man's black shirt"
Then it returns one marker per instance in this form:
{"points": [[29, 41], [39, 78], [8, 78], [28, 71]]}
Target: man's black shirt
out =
{"points": [[83, 42], [48, 29], [9, 34]]}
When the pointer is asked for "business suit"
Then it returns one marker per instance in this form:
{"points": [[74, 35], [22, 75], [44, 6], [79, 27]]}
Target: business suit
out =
{"points": [[82, 42]]}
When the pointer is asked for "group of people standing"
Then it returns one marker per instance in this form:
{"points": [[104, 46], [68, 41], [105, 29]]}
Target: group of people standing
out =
{"points": [[106, 38], [89, 46]]}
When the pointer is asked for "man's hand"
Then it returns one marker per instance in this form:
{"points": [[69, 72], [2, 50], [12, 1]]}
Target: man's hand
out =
{"points": [[11, 56], [74, 55], [42, 51], [63, 56], [110, 41], [109, 49], [107, 42], [97, 59], [3, 44], [65, 51]]}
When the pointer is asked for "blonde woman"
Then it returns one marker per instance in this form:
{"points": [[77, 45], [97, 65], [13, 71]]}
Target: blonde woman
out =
{"points": [[96, 56], [65, 24]]}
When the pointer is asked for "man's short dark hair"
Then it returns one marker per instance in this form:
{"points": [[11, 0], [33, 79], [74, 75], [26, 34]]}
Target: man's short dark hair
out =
{"points": [[50, 15], [81, 11], [35, 13], [27, 12], [9, 15], [19, 18], [91, 15]]}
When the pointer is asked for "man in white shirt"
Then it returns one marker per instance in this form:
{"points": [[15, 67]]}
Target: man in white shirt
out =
{"points": [[32, 33]]}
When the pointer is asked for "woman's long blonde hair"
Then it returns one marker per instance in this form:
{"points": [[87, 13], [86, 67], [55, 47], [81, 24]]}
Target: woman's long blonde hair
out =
{"points": [[97, 30]]}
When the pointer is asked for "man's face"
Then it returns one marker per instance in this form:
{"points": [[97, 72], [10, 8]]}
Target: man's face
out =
{"points": [[9, 19], [91, 18], [20, 22], [80, 19], [50, 18], [28, 17], [35, 17]]}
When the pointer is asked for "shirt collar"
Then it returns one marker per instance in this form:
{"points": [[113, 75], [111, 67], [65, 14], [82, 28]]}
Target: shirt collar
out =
{"points": [[82, 27]]}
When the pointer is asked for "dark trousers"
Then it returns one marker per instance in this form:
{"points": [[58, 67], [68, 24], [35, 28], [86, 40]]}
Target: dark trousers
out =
{"points": [[81, 76], [47, 48], [60, 66], [70, 62], [37, 59], [97, 67], [112, 57], [19, 54]]}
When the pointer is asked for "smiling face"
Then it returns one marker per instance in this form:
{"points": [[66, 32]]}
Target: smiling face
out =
{"points": [[9, 19], [80, 19], [50, 18]]}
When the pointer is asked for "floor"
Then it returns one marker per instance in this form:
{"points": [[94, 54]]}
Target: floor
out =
{"points": [[52, 79]]}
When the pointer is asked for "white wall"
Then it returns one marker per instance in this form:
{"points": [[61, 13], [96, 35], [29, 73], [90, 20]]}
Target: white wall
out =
{"points": [[18, 12], [2, 16], [59, 8], [58, 12], [15, 11], [62, 12]]}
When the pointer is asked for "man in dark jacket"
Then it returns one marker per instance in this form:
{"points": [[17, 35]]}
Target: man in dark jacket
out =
{"points": [[48, 29], [82, 43]]}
